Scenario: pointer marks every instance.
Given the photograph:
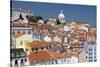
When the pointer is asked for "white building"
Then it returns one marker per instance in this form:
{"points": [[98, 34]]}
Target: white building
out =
{"points": [[72, 59], [23, 30], [51, 21], [61, 17], [66, 28], [91, 52], [47, 39], [16, 12]]}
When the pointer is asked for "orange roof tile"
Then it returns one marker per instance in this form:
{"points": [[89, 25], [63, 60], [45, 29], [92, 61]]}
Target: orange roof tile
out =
{"points": [[18, 35], [21, 25], [43, 44], [39, 44], [40, 56], [54, 54], [91, 33]]}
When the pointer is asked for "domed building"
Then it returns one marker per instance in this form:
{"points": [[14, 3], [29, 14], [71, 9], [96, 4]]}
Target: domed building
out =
{"points": [[61, 17]]}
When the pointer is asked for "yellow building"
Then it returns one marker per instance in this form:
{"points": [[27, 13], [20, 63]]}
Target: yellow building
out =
{"points": [[27, 48], [74, 25], [82, 27], [22, 39]]}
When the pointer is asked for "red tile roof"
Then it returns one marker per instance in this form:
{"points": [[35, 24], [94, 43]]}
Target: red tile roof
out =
{"points": [[21, 25], [43, 44], [40, 56], [91, 33], [18, 35], [39, 44]]}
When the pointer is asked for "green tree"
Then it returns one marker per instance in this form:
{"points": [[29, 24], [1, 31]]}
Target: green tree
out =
{"points": [[33, 18]]}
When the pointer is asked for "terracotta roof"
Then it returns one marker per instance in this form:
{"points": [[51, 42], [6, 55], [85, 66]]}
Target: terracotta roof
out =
{"points": [[43, 44], [54, 54], [91, 33], [82, 38], [21, 25], [18, 35], [40, 56]]}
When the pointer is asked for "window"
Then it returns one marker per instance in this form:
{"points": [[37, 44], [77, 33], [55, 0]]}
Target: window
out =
{"points": [[52, 63], [67, 60], [95, 53], [32, 49], [23, 32], [25, 60], [16, 62], [56, 62], [90, 49], [18, 32], [49, 46], [90, 60], [36, 36], [95, 60], [42, 48], [21, 42], [86, 57], [90, 54], [94, 56], [21, 61], [64, 60], [36, 49], [29, 32]]}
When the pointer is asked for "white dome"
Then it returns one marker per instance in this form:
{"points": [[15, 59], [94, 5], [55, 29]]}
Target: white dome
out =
{"points": [[61, 15]]}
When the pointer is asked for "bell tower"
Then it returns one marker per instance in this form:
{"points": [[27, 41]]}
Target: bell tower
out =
{"points": [[61, 17]]}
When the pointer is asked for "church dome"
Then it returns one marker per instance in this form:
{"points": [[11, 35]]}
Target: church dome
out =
{"points": [[61, 15]]}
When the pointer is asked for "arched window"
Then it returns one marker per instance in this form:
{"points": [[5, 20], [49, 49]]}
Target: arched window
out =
{"points": [[22, 61], [16, 62], [36, 49], [25, 60]]}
